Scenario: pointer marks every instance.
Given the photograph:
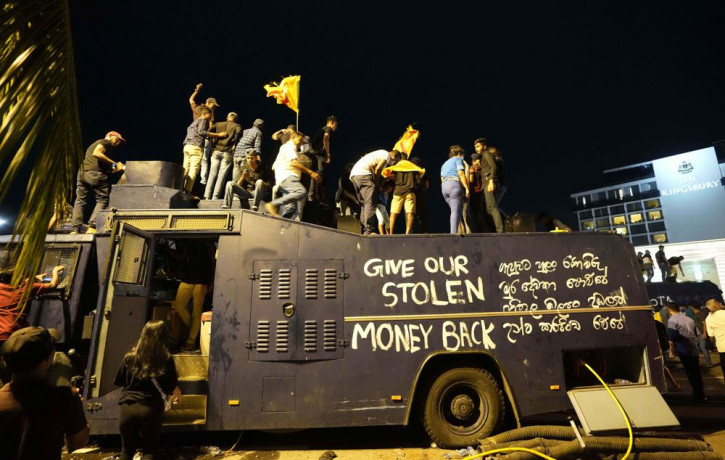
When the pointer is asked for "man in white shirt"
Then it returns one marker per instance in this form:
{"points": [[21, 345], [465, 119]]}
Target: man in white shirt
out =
{"points": [[715, 327], [287, 173], [363, 176]]}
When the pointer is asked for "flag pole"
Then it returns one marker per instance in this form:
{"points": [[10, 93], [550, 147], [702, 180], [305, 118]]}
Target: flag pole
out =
{"points": [[298, 103]]}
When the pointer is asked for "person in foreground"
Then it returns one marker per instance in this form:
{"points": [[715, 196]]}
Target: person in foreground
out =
{"points": [[147, 375], [35, 417]]}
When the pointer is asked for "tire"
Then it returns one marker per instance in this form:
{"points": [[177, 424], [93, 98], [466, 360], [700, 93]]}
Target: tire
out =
{"points": [[463, 405]]}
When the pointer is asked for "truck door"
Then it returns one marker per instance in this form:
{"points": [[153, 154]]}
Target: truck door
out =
{"points": [[297, 310], [125, 309]]}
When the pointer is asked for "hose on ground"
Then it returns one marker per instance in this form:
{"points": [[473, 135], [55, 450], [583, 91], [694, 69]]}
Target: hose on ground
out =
{"points": [[565, 433], [607, 445]]}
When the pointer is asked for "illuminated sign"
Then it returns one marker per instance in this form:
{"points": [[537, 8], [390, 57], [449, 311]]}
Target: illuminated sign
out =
{"points": [[691, 195]]}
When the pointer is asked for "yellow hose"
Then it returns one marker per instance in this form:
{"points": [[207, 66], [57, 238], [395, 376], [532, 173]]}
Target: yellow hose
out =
{"points": [[539, 454]]}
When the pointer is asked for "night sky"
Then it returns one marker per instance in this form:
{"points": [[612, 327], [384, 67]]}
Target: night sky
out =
{"points": [[563, 89]]}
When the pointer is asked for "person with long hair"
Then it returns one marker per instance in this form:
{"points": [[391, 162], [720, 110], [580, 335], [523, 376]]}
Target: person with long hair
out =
{"points": [[147, 374], [455, 184]]}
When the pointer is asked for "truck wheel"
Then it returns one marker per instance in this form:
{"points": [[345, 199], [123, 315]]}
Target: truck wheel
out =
{"points": [[463, 406]]}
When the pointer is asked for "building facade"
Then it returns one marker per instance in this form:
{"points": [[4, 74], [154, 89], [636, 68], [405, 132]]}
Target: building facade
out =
{"points": [[676, 201]]}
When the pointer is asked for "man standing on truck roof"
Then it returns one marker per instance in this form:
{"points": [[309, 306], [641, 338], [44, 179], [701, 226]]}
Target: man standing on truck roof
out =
{"points": [[715, 327], [682, 333], [648, 266], [675, 263], [197, 131], [95, 177], [320, 147], [287, 173], [211, 104], [662, 263], [365, 175]]}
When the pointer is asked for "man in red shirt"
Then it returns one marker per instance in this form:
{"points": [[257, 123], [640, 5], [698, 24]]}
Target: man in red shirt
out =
{"points": [[12, 316]]}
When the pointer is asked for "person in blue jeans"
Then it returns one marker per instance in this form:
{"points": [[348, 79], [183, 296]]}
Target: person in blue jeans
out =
{"points": [[454, 184]]}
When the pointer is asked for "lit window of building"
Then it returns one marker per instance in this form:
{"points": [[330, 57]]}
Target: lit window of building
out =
{"points": [[619, 220], [654, 215], [635, 218]]}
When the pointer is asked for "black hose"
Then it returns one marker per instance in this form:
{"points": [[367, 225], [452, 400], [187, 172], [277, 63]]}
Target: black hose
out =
{"points": [[614, 444], [654, 446], [671, 456], [536, 431]]}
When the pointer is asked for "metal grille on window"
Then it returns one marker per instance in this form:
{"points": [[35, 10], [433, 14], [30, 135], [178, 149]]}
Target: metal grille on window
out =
{"points": [[282, 336], [311, 279], [329, 335], [310, 336], [285, 281], [263, 336], [213, 222], [145, 222], [265, 284], [330, 283], [131, 262], [67, 256]]}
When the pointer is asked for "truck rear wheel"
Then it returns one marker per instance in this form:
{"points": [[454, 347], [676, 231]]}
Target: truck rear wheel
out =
{"points": [[463, 406]]}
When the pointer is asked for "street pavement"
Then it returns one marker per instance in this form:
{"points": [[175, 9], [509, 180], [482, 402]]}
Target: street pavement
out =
{"points": [[700, 420]]}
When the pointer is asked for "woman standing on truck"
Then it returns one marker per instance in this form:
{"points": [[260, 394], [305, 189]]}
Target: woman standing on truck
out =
{"points": [[147, 375], [454, 184]]}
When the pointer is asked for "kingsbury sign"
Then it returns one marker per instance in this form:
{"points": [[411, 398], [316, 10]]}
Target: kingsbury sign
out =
{"points": [[691, 195]]}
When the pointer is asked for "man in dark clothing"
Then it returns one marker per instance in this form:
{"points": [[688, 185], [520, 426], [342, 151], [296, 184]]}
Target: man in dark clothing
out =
{"points": [[700, 315], [477, 201], [254, 182], [251, 139], [320, 147], [675, 263], [648, 266], [683, 340], [421, 199], [662, 262], [407, 180], [221, 157], [95, 177], [36, 418], [489, 174]]}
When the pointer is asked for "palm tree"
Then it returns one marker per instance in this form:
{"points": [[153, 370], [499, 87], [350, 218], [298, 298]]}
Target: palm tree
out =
{"points": [[40, 122]]}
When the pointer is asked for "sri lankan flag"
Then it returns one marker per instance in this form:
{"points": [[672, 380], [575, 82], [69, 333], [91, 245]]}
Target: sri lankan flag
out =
{"points": [[407, 141], [287, 92]]}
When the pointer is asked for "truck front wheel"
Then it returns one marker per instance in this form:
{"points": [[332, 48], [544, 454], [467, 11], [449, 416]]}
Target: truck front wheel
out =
{"points": [[463, 406]]}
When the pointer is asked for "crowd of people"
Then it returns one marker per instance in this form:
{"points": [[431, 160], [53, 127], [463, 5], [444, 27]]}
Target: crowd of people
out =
{"points": [[687, 331], [228, 162], [668, 265]]}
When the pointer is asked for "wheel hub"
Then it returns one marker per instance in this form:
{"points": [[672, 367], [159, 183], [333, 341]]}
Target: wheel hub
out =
{"points": [[462, 407]]}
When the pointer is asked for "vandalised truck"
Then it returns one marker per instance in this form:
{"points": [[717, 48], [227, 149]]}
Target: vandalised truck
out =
{"points": [[314, 327]]}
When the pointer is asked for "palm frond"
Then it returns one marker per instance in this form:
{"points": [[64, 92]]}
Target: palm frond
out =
{"points": [[40, 121]]}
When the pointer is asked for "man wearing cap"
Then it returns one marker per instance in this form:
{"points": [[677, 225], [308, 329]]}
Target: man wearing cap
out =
{"points": [[251, 139], [211, 104], [95, 177], [221, 157], [36, 419]]}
